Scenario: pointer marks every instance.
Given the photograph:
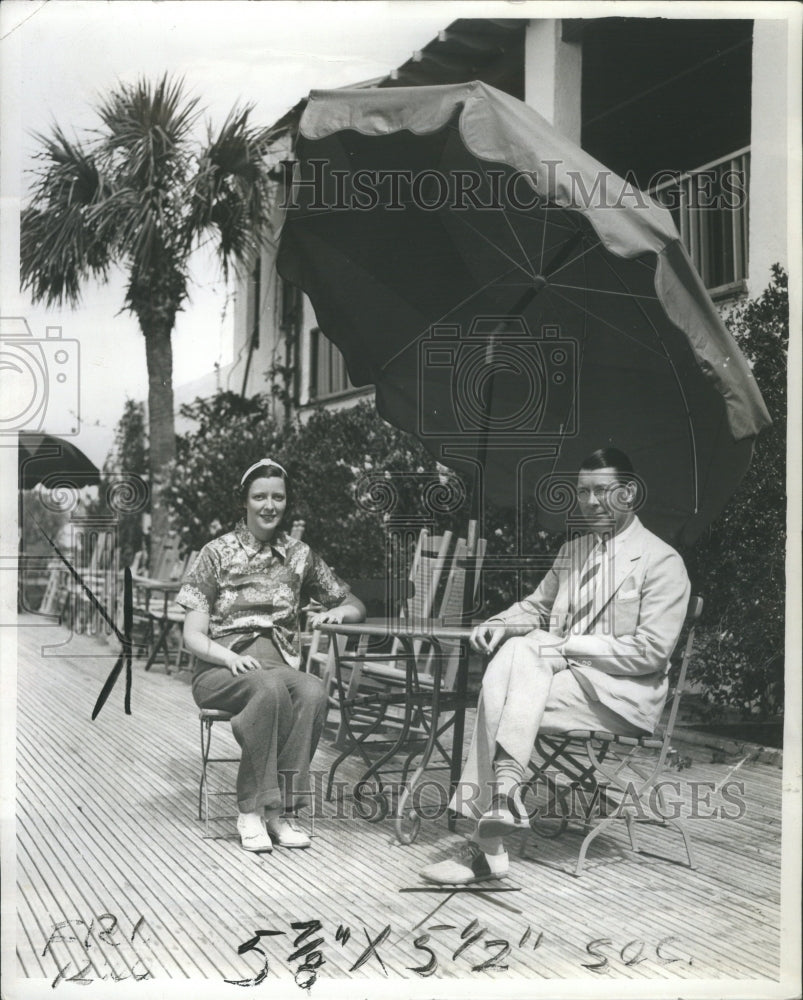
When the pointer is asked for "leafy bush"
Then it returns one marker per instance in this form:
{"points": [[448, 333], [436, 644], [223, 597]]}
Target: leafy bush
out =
{"points": [[739, 564]]}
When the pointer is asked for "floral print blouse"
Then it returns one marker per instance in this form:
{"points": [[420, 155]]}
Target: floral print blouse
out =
{"points": [[244, 584]]}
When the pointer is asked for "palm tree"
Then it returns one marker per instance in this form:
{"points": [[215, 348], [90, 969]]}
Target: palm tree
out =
{"points": [[142, 192]]}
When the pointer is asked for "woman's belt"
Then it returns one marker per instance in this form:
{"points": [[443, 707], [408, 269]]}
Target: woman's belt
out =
{"points": [[247, 639]]}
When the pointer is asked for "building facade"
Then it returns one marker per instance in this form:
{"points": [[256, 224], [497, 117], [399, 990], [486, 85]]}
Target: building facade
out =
{"points": [[692, 111]]}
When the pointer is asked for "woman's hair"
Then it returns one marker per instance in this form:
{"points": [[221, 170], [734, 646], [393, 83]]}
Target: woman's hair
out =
{"points": [[611, 458], [265, 469]]}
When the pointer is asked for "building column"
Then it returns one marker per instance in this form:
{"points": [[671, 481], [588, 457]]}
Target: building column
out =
{"points": [[553, 76], [769, 137]]}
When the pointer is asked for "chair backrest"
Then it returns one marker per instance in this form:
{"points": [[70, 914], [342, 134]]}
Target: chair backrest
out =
{"points": [[429, 603], [467, 550], [426, 570], [448, 608], [165, 559], [139, 562]]}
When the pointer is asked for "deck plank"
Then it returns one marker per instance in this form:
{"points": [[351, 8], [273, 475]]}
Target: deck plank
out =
{"points": [[107, 824]]}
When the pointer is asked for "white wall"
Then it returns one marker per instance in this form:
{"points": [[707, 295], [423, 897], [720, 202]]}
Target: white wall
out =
{"points": [[553, 76], [768, 152]]}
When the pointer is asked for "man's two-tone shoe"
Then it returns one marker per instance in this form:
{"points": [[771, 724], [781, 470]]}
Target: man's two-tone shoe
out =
{"points": [[468, 866], [253, 835], [507, 813], [285, 832]]}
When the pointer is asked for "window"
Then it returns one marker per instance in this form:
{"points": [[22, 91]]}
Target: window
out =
{"points": [[328, 374], [710, 209]]}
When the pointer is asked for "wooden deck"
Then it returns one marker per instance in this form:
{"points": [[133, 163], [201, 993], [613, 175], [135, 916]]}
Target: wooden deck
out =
{"points": [[116, 879]]}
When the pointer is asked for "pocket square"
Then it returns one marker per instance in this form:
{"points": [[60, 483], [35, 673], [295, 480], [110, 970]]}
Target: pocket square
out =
{"points": [[627, 595]]}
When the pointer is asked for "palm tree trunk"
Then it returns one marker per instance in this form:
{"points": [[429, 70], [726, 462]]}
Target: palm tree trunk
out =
{"points": [[161, 420]]}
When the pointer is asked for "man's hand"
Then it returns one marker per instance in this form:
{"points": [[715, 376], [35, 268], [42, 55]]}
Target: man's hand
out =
{"points": [[487, 637], [242, 664]]}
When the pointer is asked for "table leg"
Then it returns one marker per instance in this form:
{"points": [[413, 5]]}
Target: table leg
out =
{"points": [[361, 742], [459, 726], [404, 837], [393, 750], [161, 644]]}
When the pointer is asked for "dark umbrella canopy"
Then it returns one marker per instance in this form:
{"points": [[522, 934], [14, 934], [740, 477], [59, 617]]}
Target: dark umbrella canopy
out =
{"points": [[515, 304], [53, 462]]}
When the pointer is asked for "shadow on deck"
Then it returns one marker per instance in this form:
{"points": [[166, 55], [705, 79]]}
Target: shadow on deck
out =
{"points": [[116, 879]]}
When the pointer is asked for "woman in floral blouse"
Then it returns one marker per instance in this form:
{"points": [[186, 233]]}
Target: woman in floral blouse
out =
{"points": [[243, 596]]}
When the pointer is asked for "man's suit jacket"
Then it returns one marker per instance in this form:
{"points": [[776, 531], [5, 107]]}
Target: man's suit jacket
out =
{"points": [[622, 660]]}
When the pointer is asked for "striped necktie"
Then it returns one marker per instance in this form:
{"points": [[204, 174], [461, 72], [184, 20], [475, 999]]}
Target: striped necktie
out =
{"points": [[582, 616]]}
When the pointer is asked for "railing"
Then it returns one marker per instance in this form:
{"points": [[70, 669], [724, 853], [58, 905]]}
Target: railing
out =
{"points": [[710, 208]]}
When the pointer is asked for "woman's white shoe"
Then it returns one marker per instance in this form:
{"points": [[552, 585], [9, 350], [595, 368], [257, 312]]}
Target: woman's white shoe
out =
{"points": [[284, 831], [253, 835]]}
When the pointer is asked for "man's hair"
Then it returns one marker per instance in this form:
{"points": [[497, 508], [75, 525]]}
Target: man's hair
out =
{"points": [[611, 458]]}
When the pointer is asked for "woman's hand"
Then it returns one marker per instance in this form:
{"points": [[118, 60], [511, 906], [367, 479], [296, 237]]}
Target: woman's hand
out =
{"points": [[332, 616], [487, 637], [242, 664]]}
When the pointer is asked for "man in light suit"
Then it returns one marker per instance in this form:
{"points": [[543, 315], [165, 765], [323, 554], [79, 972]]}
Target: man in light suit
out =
{"points": [[604, 621]]}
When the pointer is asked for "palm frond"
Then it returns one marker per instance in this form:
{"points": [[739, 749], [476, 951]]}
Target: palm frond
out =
{"points": [[147, 144], [147, 131], [143, 194], [232, 191], [59, 244]]}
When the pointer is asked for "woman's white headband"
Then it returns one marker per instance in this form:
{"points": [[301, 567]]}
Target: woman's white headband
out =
{"points": [[258, 465]]}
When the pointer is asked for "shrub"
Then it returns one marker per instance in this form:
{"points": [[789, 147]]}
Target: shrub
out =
{"points": [[738, 566]]}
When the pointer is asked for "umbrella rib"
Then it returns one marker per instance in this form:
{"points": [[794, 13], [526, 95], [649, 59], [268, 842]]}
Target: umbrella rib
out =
{"points": [[543, 246], [587, 312], [530, 216], [604, 291], [482, 168], [526, 217], [573, 260], [681, 390], [583, 342], [440, 319], [499, 249]]}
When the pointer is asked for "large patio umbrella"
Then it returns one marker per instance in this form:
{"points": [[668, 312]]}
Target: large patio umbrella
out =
{"points": [[515, 304], [53, 462]]}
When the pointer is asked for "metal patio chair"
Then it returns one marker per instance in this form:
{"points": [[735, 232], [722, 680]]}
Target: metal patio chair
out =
{"points": [[611, 777]]}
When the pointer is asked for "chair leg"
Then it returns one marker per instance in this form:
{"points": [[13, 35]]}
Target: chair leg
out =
{"points": [[677, 825], [203, 790], [602, 825], [631, 832]]}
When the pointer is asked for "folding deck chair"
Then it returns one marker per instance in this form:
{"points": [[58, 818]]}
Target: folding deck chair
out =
{"points": [[96, 559], [613, 778]]}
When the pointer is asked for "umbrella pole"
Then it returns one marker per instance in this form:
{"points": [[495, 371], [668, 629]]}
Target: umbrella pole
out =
{"points": [[476, 511], [461, 685], [476, 504]]}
